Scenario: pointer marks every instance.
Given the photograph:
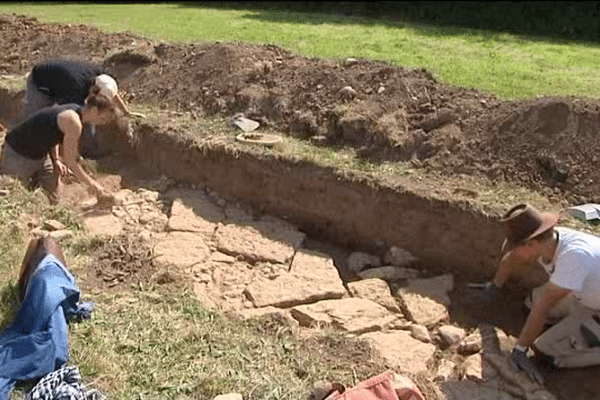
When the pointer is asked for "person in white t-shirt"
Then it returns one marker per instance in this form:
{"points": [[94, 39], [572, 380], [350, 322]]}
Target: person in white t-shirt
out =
{"points": [[572, 259]]}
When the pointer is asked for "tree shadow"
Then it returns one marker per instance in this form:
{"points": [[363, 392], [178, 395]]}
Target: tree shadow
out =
{"points": [[442, 29]]}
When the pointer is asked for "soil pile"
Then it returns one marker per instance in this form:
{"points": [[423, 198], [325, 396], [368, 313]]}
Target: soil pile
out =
{"points": [[385, 111]]}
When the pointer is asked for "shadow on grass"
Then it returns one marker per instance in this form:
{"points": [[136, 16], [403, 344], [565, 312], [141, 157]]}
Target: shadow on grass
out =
{"points": [[10, 305], [427, 29]]}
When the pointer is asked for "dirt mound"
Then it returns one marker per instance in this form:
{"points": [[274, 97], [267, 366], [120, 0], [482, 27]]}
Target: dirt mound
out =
{"points": [[386, 112]]}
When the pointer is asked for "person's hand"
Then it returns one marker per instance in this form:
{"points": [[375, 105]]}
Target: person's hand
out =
{"points": [[523, 363], [61, 168]]}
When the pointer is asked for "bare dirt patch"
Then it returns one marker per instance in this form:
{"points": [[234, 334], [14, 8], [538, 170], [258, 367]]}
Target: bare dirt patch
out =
{"points": [[386, 111]]}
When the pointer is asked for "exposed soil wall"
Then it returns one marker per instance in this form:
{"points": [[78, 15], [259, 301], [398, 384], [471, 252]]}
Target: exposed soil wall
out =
{"points": [[348, 209]]}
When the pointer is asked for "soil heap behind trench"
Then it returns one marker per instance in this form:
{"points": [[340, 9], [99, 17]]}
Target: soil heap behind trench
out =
{"points": [[384, 111]]}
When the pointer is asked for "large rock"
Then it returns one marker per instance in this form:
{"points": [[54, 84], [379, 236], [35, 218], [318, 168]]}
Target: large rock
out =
{"points": [[269, 240], [389, 273], [102, 224], [358, 261], [351, 315], [192, 211], [422, 310], [312, 277], [376, 290], [181, 249], [435, 288], [402, 352]]}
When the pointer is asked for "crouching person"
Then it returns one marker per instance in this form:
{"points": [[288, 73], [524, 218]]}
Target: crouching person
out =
{"points": [[571, 297], [31, 149]]}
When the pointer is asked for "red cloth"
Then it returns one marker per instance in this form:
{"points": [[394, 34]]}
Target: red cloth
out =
{"points": [[387, 386]]}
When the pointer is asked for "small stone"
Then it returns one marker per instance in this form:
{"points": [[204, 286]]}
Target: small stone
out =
{"points": [[399, 257], [359, 261], [389, 273], [471, 344], [381, 89], [4, 192], [348, 62], [348, 92], [318, 140], [229, 396], [62, 234], [473, 368], [38, 232], [451, 335], [420, 332], [445, 371]]}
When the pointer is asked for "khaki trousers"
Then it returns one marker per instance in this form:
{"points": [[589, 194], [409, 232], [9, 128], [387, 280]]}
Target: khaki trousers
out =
{"points": [[564, 341]]}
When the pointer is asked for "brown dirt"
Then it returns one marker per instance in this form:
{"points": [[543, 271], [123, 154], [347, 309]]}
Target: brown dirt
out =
{"points": [[392, 113], [547, 144]]}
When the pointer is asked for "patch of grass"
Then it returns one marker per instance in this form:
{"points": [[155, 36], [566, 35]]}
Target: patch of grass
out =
{"points": [[163, 344], [511, 66], [160, 343]]}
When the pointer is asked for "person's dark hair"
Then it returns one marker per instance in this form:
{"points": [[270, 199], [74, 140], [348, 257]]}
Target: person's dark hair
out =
{"points": [[37, 249], [544, 236]]}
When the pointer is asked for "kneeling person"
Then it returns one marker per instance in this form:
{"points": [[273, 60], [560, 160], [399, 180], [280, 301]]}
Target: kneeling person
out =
{"points": [[572, 260]]}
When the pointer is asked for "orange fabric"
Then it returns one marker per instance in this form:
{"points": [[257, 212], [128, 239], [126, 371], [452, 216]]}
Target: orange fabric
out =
{"points": [[386, 386]]}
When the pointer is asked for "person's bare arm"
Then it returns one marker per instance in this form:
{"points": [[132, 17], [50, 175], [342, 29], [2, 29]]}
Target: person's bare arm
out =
{"points": [[123, 107], [121, 104], [550, 297], [509, 264], [70, 124]]}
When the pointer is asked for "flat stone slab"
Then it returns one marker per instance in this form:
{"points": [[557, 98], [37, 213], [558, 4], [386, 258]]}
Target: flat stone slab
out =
{"points": [[193, 211], [102, 224], [268, 240], [435, 288], [402, 352], [351, 315], [181, 249], [312, 277], [376, 290], [422, 310]]}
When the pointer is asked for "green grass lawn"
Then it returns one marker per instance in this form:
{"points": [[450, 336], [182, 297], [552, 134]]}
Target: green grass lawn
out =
{"points": [[510, 66]]}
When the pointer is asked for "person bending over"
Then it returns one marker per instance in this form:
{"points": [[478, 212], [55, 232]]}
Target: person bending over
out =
{"points": [[62, 81], [31, 149]]}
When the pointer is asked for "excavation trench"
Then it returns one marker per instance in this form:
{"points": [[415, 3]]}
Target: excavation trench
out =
{"points": [[347, 210]]}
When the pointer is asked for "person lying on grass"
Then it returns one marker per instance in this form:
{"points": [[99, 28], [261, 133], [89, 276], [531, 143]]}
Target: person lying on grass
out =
{"points": [[31, 149], [571, 297], [63, 81]]}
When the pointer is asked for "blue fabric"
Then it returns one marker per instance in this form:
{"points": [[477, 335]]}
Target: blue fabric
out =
{"points": [[37, 342]]}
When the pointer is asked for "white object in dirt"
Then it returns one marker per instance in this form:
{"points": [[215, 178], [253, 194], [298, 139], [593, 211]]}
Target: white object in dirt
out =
{"points": [[585, 212], [245, 124], [264, 139]]}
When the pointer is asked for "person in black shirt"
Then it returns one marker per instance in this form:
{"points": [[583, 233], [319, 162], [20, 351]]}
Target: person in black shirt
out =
{"points": [[63, 81], [31, 149]]}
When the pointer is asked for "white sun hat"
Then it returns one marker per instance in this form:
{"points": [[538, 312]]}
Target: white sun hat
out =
{"points": [[108, 86]]}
